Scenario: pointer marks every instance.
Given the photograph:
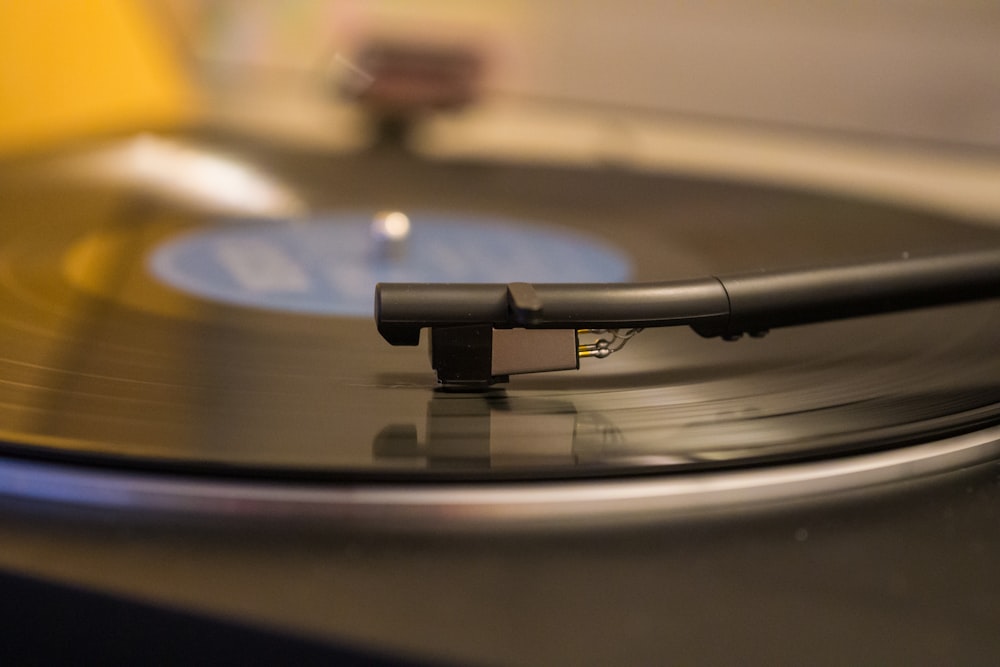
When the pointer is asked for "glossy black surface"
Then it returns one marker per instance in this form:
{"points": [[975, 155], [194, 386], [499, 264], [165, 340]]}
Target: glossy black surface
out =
{"points": [[104, 364]]}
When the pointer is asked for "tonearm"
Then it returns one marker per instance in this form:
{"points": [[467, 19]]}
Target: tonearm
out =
{"points": [[483, 333]]}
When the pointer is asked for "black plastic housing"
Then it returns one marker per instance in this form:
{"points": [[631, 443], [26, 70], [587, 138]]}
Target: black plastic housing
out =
{"points": [[402, 309]]}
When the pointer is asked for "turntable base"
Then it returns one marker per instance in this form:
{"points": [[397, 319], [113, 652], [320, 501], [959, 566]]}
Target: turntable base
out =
{"points": [[902, 573]]}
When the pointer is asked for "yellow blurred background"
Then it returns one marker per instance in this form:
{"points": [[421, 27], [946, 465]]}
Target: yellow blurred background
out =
{"points": [[915, 69], [73, 69]]}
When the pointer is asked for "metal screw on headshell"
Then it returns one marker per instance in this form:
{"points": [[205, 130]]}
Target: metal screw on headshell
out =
{"points": [[603, 347]]}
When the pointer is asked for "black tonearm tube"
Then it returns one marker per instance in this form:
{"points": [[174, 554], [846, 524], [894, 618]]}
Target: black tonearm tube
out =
{"points": [[482, 333]]}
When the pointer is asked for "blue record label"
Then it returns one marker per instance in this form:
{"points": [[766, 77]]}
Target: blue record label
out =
{"points": [[329, 265]]}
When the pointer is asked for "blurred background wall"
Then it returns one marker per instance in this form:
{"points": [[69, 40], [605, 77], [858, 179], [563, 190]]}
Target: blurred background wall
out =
{"points": [[914, 69]]}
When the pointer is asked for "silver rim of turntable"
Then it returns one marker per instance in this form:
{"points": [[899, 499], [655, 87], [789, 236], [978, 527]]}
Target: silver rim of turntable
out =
{"points": [[473, 506]]}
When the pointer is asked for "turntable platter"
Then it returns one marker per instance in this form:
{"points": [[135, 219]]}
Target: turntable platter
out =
{"points": [[107, 362]]}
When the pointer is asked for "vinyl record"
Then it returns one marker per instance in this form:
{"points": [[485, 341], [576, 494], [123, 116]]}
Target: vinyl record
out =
{"points": [[142, 332]]}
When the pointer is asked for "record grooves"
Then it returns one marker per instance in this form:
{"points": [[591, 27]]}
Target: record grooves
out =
{"points": [[105, 365]]}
